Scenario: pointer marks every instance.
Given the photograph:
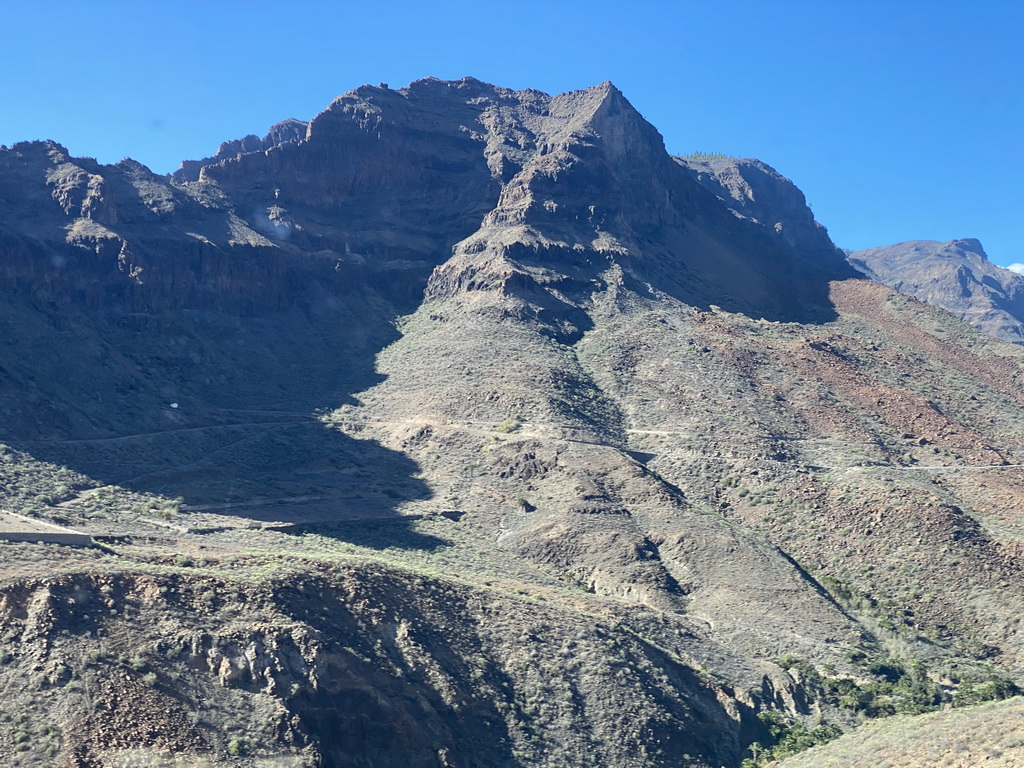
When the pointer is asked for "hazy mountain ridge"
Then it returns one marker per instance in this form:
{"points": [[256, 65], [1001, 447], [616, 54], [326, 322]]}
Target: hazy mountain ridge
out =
{"points": [[496, 345], [956, 276]]}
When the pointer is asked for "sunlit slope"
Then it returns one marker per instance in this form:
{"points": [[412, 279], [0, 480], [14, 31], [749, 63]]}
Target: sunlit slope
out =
{"points": [[986, 735]]}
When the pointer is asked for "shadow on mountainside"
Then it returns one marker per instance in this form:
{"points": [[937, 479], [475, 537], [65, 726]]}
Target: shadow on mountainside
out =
{"points": [[713, 258], [217, 409], [770, 283], [400, 717]]}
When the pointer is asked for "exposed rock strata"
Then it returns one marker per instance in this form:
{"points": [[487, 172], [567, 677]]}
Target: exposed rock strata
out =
{"points": [[355, 666]]}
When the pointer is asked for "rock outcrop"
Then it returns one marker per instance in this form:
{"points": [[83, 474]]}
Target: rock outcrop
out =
{"points": [[754, 190], [346, 667]]}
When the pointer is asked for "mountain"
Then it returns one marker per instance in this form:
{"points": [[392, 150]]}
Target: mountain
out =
{"points": [[956, 276], [463, 426]]}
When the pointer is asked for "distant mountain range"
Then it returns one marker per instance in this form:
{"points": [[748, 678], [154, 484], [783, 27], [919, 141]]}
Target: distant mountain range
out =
{"points": [[465, 426], [956, 276]]}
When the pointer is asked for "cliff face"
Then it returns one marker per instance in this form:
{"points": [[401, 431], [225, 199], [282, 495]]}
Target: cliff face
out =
{"points": [[389, 180], [120, 236], [956, 276], [464, 426], [755, 190]]}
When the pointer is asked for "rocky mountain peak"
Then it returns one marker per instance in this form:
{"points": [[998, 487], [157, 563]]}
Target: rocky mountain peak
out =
{"points": [[580, 174], [288, 131], [970, 244], [753, 189]]}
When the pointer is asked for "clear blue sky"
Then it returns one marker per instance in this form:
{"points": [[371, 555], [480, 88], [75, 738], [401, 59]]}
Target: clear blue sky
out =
{"points": [[899, 120]]}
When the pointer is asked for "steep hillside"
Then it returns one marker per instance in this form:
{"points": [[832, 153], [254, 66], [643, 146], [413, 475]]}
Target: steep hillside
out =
{"points": [[271, 661], [464, 426], [956, 276]]}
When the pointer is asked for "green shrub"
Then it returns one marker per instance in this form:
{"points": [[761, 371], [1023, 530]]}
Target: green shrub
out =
{"points": [[790, 737], [511, 424]]}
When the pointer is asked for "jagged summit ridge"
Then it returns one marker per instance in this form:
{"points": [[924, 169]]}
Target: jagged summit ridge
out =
{"points": [[397, 179], [755, 190], [288, 131]]}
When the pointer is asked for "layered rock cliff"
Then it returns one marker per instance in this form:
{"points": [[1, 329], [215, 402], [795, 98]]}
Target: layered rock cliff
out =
{"points": [[756, 191]]}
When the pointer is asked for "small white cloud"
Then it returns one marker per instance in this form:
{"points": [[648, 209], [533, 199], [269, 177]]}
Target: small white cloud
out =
{"points": [[1017, 267]]}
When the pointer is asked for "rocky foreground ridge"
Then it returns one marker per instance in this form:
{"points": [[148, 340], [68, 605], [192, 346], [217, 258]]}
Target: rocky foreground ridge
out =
{"points": [[462, 426]]}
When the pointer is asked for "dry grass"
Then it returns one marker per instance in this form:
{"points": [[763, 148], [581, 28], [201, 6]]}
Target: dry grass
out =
{"points": [[147, 758], [989, 734]]}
